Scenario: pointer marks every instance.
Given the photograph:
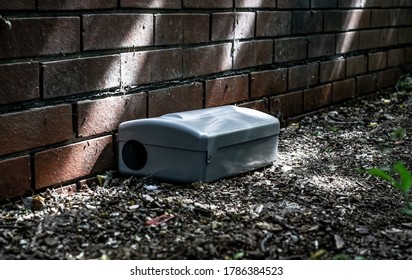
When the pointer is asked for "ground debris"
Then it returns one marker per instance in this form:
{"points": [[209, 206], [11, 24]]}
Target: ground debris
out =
{"points": [[314, 202]]}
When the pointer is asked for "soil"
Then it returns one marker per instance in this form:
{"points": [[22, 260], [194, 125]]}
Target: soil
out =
{"points": [[316, 201]]}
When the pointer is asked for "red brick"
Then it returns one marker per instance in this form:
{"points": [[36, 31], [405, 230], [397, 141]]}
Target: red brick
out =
{"points": [[72, 76], [15, 177], [68, 163], [19, 82], [343, 90], [207, 60], [17, 5], [175, 99], [294, 4], [404, 35], [324, 4], [346, 20], [307, 22], [253, 53], [408, 55], [255, 4], [227, 90], [389, 37], [266, 83], [332, 70], [117, 31], [385, 79], [40, 36], [365, 84], [35, 128], [260, 105], [377, 61], [105, 115], [317, 97], [181, 29], [400, 17], [369, 39], [208, 4], [356, 65], [169, 4], [380, 18], [303, 76], [273, 23], [347, 42], [290, 49], [147, 67], [227, 26], [287, 105], [322, 45], [77, 4], [351, 3]]}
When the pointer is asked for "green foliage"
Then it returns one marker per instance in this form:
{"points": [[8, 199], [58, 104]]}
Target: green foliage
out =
{"points": [[402, 182]]}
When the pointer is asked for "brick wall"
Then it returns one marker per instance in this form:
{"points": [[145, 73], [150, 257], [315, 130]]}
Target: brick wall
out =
{"points": [[72, 70]]}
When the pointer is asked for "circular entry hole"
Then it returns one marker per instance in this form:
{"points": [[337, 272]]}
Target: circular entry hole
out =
{"points": [[134, 155]]}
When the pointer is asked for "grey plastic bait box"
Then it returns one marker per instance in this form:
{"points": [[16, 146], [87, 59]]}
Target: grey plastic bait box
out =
{"points": [[199, 145]]}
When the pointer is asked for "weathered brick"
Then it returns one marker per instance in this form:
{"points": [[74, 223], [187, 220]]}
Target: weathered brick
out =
{"points": [[181, 29], [307, 22], [260, 105], [322, 45], [117, 31], [273, 23], [19, 82], [227, 90], [346, 20], [255, 4], [377, 61], [151, 66], [208, 4], [408, 55], [332, 70], [380, 18], [253, 53], [303, 76], [317, 97], [365, 84], [389, 37], [17, 5], [290, 49], [404, 35], [77, 4], [207, 60], [385, 79], [74, 76], [396, 57], [293, 4], [287, 105], [343, 90], [35, 128], [65, 164], [15, 177], [369, 39], [376, 3], [175, 99], [40, 36], [351, 3], [153, 4], [227, 26], [400, 17], [356, 65], [347, 42], [266, 83], [105, 115], [324, 4]]}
